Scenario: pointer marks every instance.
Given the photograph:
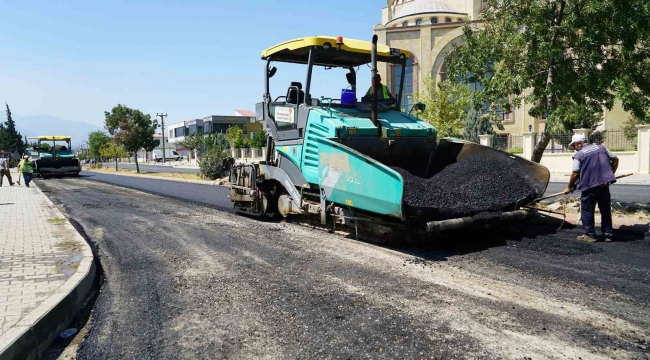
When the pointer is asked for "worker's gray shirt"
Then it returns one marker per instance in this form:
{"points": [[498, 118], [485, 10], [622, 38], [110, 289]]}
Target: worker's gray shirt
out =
{"points": [[3, 164], [576, 162]]}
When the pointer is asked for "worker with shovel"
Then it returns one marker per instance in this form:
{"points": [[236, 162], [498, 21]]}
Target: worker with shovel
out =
{"points": [[593, 170]]}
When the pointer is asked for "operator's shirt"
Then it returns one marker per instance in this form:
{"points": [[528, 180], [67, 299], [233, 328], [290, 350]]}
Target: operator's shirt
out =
{"points": [[592, 162], [3, 163]]}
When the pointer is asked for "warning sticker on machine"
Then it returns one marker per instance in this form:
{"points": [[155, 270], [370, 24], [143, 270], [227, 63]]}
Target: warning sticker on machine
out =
{"points": [[284, 114]]}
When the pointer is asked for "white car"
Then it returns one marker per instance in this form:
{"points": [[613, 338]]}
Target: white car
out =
{"points": [[170, 155]]}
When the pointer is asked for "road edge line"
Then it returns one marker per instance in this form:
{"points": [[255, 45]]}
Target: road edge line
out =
{"points": [[34, 333]]}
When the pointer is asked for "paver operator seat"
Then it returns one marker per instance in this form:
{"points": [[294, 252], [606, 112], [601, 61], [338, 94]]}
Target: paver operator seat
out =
{"points": [[295, 94]]}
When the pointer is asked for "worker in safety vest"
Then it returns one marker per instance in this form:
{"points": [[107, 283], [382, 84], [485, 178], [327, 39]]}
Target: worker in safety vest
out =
{"points": [[383, 93], [593, 170], [26, 167]]}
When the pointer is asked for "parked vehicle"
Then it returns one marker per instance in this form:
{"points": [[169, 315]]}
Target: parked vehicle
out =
{"points": [[170, 155]]}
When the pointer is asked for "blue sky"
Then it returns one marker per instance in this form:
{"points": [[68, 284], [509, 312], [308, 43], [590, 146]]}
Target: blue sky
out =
{"points": [[189, 59]]}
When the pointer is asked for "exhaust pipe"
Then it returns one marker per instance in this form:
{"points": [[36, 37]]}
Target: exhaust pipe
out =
{"points": [[373, 96]]}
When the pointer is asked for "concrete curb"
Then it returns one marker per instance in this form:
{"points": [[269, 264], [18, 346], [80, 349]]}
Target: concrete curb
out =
{"points": [[33, 334], [202, 182]]}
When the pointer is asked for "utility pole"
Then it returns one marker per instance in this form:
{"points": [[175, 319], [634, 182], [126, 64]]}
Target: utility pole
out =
{"points": [[162, 119]]}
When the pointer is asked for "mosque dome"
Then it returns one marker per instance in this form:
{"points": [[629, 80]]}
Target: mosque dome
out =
{"points": [[413, 7]]}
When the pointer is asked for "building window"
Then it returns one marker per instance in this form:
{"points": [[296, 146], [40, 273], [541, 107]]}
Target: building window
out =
{"points": [[447, 20], [192, 129], [418, 22], [434, 20], [443, 72], [405, 23], [171, 133], [407, 94], [252, 134], [179, 132], [252, 120]]}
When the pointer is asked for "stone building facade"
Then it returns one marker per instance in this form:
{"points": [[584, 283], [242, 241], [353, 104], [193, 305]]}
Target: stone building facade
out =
{"points": [[427, 29]]}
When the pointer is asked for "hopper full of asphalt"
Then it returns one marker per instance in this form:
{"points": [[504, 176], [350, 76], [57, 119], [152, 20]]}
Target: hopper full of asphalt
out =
{"points": [[470, 186]]}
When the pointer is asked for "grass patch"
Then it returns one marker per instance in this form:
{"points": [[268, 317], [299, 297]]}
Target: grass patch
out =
{"points": [[157, 174], [56, 221]]}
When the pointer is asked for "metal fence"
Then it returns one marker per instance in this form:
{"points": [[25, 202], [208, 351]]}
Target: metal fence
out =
{"points": [[613, 140], [559, 143], [617, 141], [513, 144]]}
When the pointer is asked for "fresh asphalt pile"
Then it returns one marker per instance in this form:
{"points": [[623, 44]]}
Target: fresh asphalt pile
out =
{"points": [[470, 186]]}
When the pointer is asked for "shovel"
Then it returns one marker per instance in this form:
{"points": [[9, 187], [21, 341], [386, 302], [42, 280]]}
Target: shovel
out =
{"points": [[562, 192]]}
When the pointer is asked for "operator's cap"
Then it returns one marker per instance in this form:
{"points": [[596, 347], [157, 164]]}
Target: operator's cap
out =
{"points": [[26, 157], [577, 138]]}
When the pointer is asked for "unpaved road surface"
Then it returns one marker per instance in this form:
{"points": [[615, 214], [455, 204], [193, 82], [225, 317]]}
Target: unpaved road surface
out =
{"points": [[186, 281]]}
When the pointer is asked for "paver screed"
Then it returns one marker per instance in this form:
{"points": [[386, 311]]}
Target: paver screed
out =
{"points": [[38, 252]]}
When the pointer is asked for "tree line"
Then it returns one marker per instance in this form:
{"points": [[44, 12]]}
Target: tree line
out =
{"points": [[10, 139]]}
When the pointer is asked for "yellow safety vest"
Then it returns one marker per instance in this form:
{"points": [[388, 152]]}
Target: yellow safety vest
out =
{"points": [[26, 167], [384, 89]]}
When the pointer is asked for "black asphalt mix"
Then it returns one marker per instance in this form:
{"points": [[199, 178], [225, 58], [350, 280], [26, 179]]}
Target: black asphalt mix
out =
{"points": [[186, 281], [470, 186]]}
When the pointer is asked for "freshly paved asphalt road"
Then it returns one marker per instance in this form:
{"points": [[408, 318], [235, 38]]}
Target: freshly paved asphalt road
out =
{"points": [[153, 168], [187, 281], [217, 196]]}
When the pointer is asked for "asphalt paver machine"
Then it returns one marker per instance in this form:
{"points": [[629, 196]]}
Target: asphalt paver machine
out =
{"points": [[332, 159], [52, 154]]}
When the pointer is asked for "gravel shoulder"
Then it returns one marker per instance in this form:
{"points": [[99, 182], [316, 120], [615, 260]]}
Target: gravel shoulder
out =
{"points": [[186, 281]]}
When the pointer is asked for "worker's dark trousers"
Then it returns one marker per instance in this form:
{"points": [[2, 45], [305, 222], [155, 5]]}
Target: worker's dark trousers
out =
{"points": [[6, 173], [28, 178], [589, 198]]}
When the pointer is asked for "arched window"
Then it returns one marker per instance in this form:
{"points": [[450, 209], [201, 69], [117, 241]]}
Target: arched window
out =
{"points": [[405, 23], [407, 94], [447, 20], [418, 21], [434, 20]]}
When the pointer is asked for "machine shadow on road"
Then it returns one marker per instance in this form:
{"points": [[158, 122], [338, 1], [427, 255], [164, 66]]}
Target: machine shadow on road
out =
{"points": [[544, 234]]}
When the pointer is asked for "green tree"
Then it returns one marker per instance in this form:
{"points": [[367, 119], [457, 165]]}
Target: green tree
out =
{"points": [[446, 105], [110, 150], [131, 129], [151, 144], [259, 139], [559, 57], [10, 139], [215, 141], [192, 142], [211, 163], [96, 140], [235, 136], [476, 124]]}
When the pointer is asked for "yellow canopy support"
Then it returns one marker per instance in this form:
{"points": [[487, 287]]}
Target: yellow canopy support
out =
{"points": [[352, 52]]}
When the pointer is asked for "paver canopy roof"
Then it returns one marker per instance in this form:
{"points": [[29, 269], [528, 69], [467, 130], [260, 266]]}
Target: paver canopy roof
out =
{"points": [[354, 52]]}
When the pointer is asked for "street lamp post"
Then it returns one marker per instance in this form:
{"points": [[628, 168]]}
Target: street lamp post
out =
{"points": [[162, 119]]}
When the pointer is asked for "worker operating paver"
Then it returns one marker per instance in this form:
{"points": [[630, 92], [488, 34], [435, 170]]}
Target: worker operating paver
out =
{"points": [[593, 170]]}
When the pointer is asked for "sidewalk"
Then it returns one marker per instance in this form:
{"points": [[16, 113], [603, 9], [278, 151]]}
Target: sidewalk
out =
{"points": [[636, 179], [46, 271]]}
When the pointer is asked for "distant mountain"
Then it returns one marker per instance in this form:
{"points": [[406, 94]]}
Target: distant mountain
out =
{"points": [[51, 125]]}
